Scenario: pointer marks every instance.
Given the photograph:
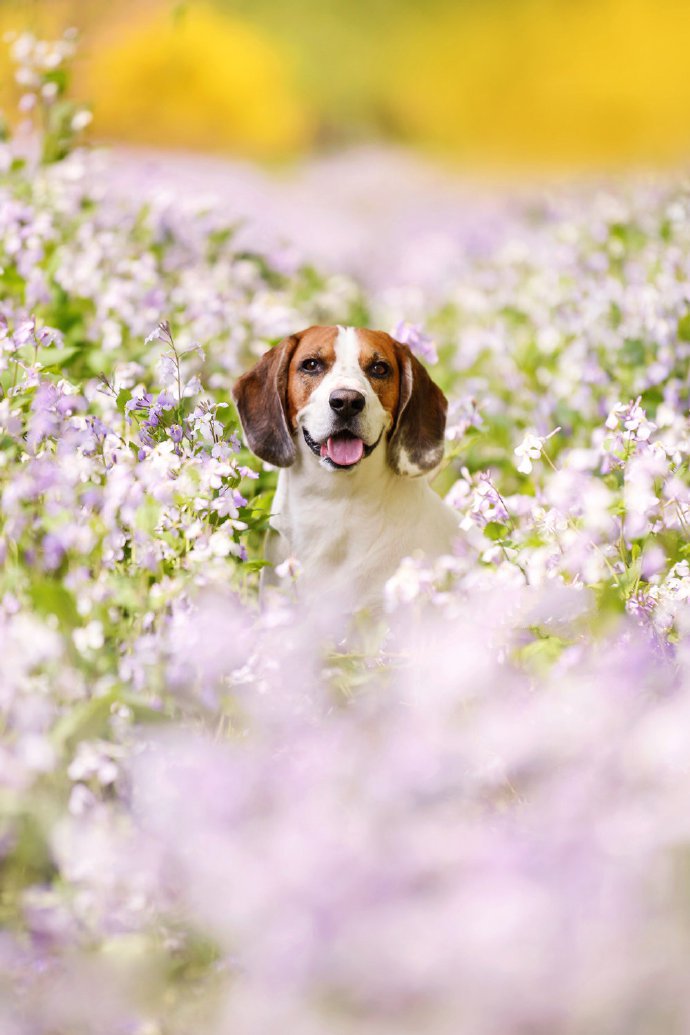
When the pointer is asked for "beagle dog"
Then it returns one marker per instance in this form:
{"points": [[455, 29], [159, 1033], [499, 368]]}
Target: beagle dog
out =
{"points": [[355, 424]]}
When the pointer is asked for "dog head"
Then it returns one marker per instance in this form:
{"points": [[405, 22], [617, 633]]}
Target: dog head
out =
{"points": [[342, 392]]}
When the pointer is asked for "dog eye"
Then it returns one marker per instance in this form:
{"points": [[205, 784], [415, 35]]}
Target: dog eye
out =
{"points": [[311, 366], [379, 369]]}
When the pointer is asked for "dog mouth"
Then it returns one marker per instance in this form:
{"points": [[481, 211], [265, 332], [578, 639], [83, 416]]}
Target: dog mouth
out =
{"points": [[342, 450]]}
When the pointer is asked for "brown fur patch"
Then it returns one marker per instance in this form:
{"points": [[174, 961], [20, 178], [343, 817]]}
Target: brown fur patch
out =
{"points": [[315, 343], [420, 428], [260, 396], [379, 346]]}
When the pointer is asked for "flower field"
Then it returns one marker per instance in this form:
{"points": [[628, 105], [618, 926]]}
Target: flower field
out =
{"points": [[466, 814]]}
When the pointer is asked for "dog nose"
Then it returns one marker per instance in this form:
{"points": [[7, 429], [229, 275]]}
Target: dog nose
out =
{"points": [[346, 402]]}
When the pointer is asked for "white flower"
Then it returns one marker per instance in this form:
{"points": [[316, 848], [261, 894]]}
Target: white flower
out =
{"points": [[633, 418], [193, 529], [81, 800], [37, 752], [193, 387], [220, 544], [290, 569], [81, 120], [95, 758], [612, 419], [225, 505], [531, 449], [407, 583], [166, 369], [90, 637]]}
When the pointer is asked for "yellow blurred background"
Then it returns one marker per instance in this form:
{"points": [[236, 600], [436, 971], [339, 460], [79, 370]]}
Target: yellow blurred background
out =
{"points": [[507, 84]]}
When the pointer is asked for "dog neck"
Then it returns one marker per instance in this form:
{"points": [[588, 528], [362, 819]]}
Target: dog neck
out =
{"points": [[349, 529], [310, 500]]}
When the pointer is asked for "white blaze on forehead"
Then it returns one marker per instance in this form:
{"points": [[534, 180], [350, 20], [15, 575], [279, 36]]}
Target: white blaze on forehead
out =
{"points": [[347, 350]]}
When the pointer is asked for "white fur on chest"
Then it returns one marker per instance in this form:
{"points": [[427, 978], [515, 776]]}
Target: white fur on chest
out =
{"points": [[350, 531]]}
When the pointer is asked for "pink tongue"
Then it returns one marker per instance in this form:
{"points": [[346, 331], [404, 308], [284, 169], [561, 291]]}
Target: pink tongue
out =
{"points": [[344, 451]]}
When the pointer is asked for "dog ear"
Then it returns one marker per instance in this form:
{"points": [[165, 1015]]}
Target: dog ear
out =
{"points": [[416, 443], [261, 399]]}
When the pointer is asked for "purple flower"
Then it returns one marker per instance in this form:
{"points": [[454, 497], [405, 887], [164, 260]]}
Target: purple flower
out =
{"points": [[24, 333], [166, 401], [140, 402], [419, 342], [53, 551]]}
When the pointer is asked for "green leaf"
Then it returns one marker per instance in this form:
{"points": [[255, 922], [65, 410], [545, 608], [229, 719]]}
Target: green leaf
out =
{"points": [[50, 597], [56, 359], [540, 655], [255, 565], [123, 397], [84, 721], [633, 352], [495, 530], [91, 719], [148, 516]]}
